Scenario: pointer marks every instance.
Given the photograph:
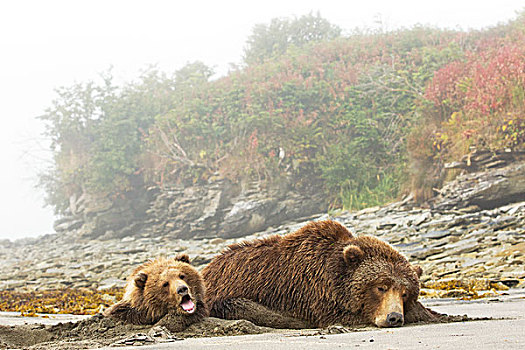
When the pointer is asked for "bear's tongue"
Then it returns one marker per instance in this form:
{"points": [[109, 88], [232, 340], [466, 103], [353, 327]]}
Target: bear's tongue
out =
{"points": [[187, 305]]}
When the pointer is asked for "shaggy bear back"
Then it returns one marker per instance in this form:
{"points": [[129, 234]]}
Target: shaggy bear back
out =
{"points": [[320, 273]]}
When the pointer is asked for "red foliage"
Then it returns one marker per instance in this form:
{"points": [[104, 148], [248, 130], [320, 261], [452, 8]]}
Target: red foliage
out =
{"points": [[483, 84], [254, 141], [476, 101]]}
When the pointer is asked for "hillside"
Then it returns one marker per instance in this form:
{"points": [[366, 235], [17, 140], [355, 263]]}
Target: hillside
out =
{"points": [[357, 120]]}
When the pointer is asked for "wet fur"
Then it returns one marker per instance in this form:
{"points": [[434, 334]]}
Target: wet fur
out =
{"points": [[145, 303], [306, 278]]}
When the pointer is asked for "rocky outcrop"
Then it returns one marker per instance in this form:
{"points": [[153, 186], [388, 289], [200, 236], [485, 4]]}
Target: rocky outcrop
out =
{"points": [[104, 217], [490, 179], [226, 210], [218, 208]]}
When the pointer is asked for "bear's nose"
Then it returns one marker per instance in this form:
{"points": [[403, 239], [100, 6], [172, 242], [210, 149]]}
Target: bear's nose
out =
{"points": [[394, 319], [182, 290]]}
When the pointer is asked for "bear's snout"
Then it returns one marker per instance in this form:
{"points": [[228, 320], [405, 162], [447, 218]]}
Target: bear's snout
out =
{"points": [[390, 310], [182, 290], [394, 319]]}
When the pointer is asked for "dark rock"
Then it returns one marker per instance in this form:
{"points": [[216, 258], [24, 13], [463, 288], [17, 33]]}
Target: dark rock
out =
{"points": [[508, 282], [385, 226], [495, 184]]}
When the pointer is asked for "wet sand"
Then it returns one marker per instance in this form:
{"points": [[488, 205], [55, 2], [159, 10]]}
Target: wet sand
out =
{"points": [[84, 332]]}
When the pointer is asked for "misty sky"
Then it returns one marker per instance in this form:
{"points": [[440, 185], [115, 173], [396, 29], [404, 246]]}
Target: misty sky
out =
{"points": [[48, 44]]}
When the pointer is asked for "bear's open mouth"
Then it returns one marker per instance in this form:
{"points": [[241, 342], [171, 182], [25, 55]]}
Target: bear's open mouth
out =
{"points": [[187, 304]]}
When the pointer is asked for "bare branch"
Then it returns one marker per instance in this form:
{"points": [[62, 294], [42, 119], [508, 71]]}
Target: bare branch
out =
{"points": [[174, 149]]}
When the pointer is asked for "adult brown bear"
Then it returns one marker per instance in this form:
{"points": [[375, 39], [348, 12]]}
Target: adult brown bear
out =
{"points": [[317, 276]]}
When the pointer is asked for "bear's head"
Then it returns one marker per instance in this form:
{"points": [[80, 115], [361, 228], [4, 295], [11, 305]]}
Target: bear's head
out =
{"points": [[166, 285], [379, 283]]}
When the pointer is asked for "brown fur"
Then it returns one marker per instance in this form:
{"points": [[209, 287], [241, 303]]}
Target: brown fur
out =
{"points": [[317, 276], [153, 291]]}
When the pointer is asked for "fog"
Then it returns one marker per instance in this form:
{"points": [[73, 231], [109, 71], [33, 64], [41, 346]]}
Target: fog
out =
{"points": [[48, 44]]}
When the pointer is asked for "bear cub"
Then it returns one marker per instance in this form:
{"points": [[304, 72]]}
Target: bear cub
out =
{"points": [[159, 288]]}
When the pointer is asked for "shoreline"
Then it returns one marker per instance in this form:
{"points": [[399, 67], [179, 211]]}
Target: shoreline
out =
{"points": [[499, 324], [11, 318]]}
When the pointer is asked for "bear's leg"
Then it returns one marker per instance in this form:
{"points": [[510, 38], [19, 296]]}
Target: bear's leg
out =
{"points": [[416, 312], [175, 322], [245, 309], [124, 312]]}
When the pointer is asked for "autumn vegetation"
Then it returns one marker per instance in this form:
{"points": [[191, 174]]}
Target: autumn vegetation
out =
{"points": [[364, 117], [82, 301]]}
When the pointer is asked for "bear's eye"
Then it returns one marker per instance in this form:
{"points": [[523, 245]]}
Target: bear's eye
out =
{"points": [[166, 284], [182, 277], [381, 289]]}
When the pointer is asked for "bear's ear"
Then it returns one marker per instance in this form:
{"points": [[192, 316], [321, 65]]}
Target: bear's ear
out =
{"points": [[352, 254], [418, 269], [183, 257], [140, 280]]}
